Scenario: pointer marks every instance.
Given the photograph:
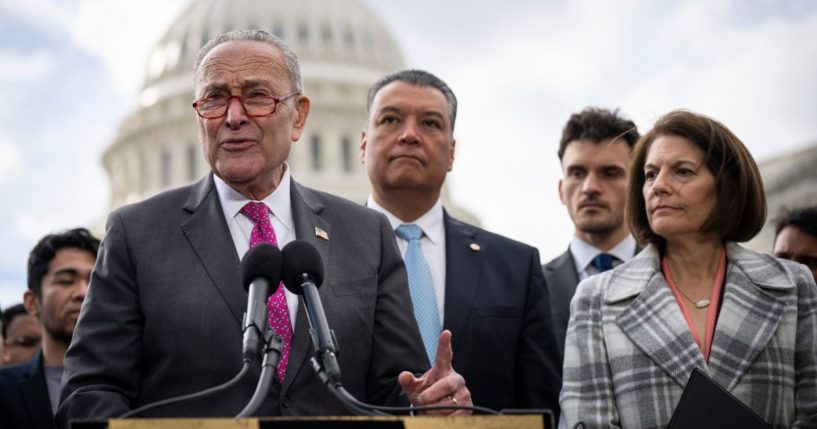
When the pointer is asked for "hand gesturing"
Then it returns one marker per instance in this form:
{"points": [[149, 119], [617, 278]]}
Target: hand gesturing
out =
{"points": [[440, 385]]}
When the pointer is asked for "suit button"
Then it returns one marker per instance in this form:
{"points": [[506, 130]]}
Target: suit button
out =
{"points": [[286, 402]]}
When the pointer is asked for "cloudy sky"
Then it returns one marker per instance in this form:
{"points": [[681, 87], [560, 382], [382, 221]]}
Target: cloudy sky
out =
{"points": [[70, 70]]}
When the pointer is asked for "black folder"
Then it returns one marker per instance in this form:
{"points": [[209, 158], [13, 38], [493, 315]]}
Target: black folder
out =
{"points": [[705, 404]]}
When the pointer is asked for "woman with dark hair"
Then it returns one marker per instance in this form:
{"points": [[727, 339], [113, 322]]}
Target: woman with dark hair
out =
{"points": [[693, 298]]}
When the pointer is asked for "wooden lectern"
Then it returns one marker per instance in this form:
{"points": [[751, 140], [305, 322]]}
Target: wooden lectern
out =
{"points": [[527, 421]]}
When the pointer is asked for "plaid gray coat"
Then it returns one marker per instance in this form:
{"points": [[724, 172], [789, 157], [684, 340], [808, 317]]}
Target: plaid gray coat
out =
{"points": [[629, 351]]}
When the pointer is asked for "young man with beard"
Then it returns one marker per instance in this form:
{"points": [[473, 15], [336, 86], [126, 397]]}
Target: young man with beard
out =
{"points": [[594, 152], [59, 269]]}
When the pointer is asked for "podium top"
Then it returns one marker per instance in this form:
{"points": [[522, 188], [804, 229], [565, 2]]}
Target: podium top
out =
{"points": [[339, 422]]}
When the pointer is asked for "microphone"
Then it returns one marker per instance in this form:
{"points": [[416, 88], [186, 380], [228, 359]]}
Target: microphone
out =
{"points": [[260, 275], [302, 274]]}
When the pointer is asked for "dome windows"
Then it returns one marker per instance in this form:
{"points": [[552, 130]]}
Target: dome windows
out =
{"points": [[303, 33]]}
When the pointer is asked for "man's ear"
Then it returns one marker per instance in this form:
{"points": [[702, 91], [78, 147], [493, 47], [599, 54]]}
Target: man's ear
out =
{"points": [[562, 192], [453, 152], [31, 303], [363, 140], [302, 104]]}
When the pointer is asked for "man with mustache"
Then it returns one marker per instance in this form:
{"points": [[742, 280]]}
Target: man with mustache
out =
{"points": [[594, 152], [59, 269], [485, 289]]}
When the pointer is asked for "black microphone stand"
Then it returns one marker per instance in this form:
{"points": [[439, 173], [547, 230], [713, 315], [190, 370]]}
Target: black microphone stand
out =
{"points": [[325, 360], [272, 355], [350, 402]]}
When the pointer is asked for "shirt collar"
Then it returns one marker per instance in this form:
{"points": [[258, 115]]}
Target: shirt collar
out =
{"points": [[278, 201], [431, 222], [584, 252]]}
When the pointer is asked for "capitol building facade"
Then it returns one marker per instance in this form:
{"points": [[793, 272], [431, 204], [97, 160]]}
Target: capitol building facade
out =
{"points": [[343, 48]]}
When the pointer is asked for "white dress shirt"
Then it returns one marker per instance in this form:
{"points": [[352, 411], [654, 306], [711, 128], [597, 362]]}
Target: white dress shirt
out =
{"points": [[241, 226], [432, 244], [584, 253]]}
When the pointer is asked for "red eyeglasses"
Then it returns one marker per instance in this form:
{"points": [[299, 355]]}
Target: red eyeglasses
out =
{"points": [[255, 105]]}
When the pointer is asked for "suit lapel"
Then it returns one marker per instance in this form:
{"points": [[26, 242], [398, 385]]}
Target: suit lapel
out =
{"points": [[563, 271], [653, 321], [748, 318], [463, 269], [306, 209], [208, 235], [562, 278]]}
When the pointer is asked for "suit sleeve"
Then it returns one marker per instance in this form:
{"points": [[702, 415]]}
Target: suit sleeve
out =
{"points": [[805, 358], [102, 373], [538, 363], [587, 384], [396, 343]]}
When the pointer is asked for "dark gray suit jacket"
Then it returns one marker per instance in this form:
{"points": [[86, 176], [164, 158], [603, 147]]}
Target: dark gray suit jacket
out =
{"points": [[24, 401], [164, 309], [561, 279], [497, 308]]}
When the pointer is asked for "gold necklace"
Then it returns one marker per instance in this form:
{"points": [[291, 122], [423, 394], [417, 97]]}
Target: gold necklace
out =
{"points": [[699, 304], [668, 274]]}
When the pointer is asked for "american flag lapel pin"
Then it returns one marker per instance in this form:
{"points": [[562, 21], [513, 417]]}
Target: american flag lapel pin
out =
{"points": [[321, 234]]}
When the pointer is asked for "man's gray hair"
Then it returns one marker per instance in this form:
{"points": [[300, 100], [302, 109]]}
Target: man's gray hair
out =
{"points": [[418, 78], [290, 57]]}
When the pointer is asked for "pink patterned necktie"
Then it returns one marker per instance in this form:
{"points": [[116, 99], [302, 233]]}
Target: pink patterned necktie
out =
{"points": [[277, 311]]}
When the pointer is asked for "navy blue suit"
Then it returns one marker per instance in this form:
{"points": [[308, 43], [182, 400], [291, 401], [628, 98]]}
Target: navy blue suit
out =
{"points": [[498, 311], [24, 401]]}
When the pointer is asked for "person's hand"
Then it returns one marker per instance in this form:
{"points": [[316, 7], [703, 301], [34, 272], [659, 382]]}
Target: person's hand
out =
{"points": [[440, 385]]}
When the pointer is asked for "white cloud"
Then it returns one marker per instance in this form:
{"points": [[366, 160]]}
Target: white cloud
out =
{"points": [[757, 79], [11, 293], [18, 68], [46, 15], [33, 227], [121, 34], [10, 159]]}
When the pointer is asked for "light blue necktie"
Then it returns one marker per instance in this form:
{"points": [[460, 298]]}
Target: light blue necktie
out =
{"points": [[421, 286]]}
